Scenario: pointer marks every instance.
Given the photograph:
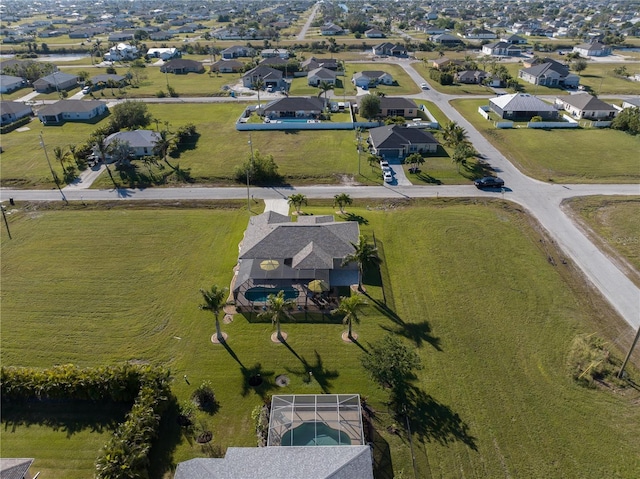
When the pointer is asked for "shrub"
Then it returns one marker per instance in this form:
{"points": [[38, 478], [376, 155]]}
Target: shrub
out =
{"points": [[536, 119], [260, 416], [204, 398], [590, 361], [262, 170]]}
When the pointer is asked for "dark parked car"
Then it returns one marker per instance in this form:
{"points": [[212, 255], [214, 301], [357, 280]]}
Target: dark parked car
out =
{"points": [[489, 182]]}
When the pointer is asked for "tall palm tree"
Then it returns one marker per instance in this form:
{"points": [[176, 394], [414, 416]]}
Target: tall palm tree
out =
{"points": [[349, 306], [462, 153], [164, 143], [453, 134], [258, 84], [103, 151], [297, 201], [61, 156], [278, 308], [365, 255], [342, 200], [324, 87], [214, 300]]}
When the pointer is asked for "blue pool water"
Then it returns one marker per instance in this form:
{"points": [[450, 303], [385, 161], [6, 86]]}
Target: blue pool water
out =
{"points": [[261, 294]]}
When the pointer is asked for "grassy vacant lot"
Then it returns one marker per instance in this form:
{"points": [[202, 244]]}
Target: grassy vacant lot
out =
{"points": [[493, 341], [613, 222], [303, 157], [568, 156]]}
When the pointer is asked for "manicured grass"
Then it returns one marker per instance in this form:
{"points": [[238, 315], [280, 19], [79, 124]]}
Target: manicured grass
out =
{"points": [[493, 341], [457, 89], [614, 221], [405, 85], [302, 156], [568, 156]]}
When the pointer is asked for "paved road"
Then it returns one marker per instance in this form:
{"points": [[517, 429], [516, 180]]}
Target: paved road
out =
{"points": [[540, 199], [307, 25]]}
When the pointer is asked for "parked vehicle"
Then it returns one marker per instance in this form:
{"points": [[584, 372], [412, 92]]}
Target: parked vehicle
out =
{"points": [[384, 165], [387, 176], [424, 86], [86, 90], [489, 182]]}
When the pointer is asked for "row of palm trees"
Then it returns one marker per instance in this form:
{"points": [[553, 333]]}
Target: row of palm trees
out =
{"points": [[298, 200], [455, 136], [278, 307]]}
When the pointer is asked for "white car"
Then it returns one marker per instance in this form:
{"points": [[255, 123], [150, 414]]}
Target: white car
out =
{"points": [[86, 90], [424, 86], [384, 165], [387, 176]]}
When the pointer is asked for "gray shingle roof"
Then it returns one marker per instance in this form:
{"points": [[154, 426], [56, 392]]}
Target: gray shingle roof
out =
{"points": [[521, 102], [13, 107], [397, 103], [324, 462], [295, 103], [396, 136], [584, 101], [136, 138], [323, 73], [14, 468], [70, 106]]}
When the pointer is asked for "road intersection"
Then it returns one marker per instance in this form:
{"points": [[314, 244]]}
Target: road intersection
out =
{"points": [[542, 200]]}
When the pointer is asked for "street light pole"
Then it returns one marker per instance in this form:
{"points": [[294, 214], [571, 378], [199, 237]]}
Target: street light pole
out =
{"points": [[53, 173]]}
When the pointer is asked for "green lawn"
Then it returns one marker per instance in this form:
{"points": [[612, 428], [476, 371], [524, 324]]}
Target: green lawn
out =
{"points": [[303, 156], [568, 156], [493, 341], [615, 223]]}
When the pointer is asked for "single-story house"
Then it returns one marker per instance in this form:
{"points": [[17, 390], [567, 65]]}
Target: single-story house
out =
{"points": [[163, 53], [10, 83], [374, 33], [397, 106], [313, 63], [227, 66], [479, 34], [471, 76], [445, 63], [11, 111], [120, 52], [583, 105], [72, 110], [514, 39], [102, 81], [278, 254], [121, 37], [55, 82], [446, 39], [594, 49], [522, 107], [140, 142], [309, 437], [550, 73], [390, 49], [274, 52], [331, 29], [294, 107], [160, 36], [319, 75], [181, 66], [270, 76], [371, 78], [16, 468], [237, 51], [397, 142], [274, 62], [631, 103], [500, 49]]}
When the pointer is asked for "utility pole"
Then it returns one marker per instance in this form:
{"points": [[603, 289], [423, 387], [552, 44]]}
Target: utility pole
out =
{"points": [[250, 167], [626, 360], [4, 217], [53, 173], [359, 148]]}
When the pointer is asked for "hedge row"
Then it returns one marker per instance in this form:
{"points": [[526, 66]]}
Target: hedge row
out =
{"points": [[16, 124], [126, 454]]}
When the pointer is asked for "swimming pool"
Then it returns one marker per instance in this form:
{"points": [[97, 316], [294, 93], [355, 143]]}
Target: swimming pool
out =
{"points": [[296, 120], [315, 433], [259, 293]]}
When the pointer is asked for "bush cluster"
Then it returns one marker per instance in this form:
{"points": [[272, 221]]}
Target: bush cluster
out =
{"points": [[16, 124], [126, 453]]}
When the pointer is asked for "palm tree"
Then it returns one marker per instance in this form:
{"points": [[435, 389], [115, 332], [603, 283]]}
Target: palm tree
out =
{"points": [[453, 134], [324, 87], [258, 84], [278, 308], [61, 156], [414, 159], [164, 143], [214, 300], [349, 306], [342, 200], [365, 255], [297, 201], [103, 151], [462, 153]]}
